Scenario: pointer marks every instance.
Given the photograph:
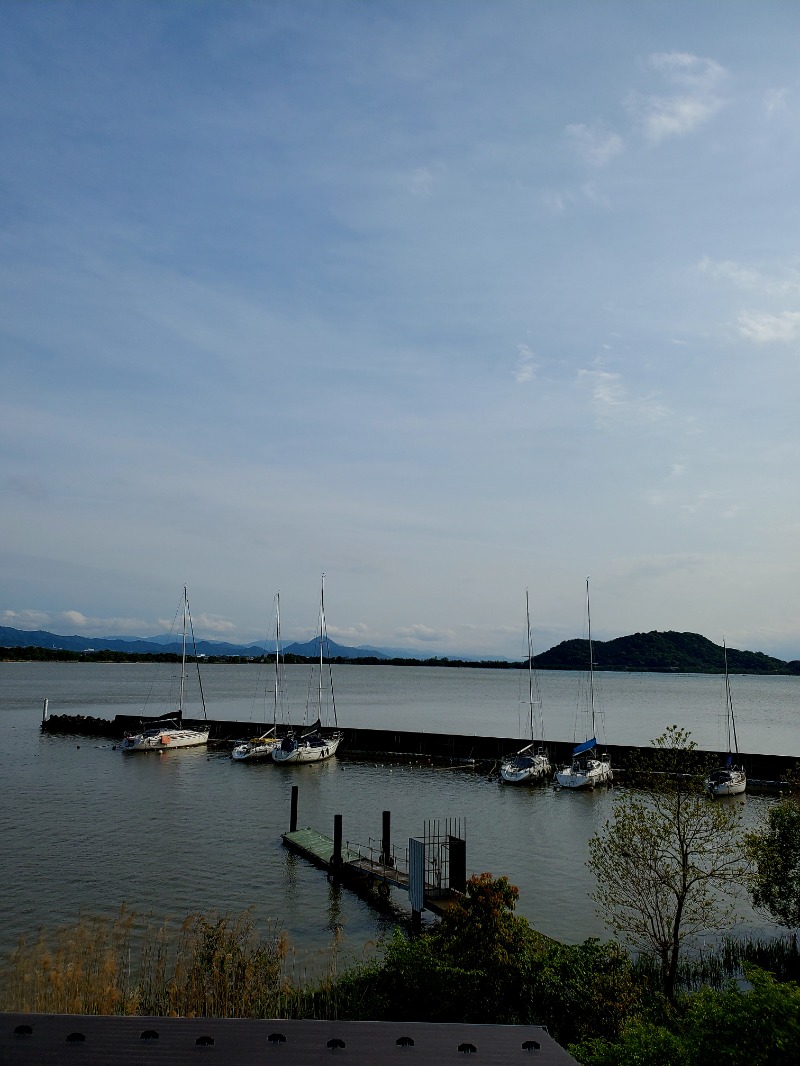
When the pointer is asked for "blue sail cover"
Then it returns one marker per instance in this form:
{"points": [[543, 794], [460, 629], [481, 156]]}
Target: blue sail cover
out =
{"points": [[586, 746]]}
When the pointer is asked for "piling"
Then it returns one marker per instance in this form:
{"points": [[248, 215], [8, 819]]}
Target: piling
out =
{"points": [[336, 858], [293, 814], [386, 839], [45, 710]]}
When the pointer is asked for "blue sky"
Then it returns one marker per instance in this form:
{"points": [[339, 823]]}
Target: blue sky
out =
{"points": [[445, 300]]}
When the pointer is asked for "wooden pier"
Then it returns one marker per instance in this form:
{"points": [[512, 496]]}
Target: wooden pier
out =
{"points": [[377, 871]]}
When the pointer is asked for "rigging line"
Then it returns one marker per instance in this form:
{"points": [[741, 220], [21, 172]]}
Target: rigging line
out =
{"points": [[196, 660], [157, 675], [324, 630]]}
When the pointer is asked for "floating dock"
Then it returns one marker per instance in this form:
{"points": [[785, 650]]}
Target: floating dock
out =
{"points": [[432, 871]]}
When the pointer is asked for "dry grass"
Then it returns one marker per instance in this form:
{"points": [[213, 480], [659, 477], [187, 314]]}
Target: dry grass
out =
{"points": [[209, 966]]}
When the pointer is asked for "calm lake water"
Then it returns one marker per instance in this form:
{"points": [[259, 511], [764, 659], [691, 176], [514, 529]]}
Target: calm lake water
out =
{"points": [[84, 829]]}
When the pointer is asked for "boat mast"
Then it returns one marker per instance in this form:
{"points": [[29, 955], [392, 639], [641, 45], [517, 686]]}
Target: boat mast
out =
{"points": [[183, 654], [277, 654], [591, 657], [323, 636], [729, 705], [530, 664], [321, 639]]}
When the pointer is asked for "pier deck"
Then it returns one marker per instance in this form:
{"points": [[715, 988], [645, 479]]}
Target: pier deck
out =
{"points": [[366, 872]]}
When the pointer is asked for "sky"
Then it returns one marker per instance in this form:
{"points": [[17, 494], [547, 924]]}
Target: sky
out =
{"points": [[446, 301]]}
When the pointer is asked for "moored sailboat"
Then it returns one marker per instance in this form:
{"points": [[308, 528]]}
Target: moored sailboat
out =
{"points": [[730, 779], [168, 731], [587, 769], [532, 762], [316, 743], [258, 748]]}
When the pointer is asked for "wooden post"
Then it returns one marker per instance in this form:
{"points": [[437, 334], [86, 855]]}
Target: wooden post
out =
{"points": [[336, 858], [45, 712], [386, 840], [293, 815], [458, 863]]}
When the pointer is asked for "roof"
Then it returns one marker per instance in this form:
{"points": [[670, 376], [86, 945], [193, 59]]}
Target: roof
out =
{"points": [[52, 1039]]}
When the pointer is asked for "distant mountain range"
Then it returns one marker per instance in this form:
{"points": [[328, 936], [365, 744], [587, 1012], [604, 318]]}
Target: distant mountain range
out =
{"points": [[675, 652], [160, 645]]}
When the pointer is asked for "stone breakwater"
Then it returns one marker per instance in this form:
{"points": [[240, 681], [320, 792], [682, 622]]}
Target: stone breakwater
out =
{"points": [[766, 773]]}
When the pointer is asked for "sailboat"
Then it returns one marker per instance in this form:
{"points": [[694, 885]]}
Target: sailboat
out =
{"points": [[170, 732], [258, 748], [529, 763], [314, 745], [587, 770], [728, 780]]}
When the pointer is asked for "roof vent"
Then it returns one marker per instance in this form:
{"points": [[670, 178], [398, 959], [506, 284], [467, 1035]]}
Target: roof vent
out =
{"points": [[276, 1038], [23, 1030], [205, 1041], [531, 1045], [405, 1041], [75, 1038], [149, 1034], [334, 1043], [467, 1049]]}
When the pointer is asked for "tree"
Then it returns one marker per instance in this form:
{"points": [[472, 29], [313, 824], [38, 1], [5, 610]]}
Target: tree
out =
{"points": [[669, 863], [757, 1026], [775, 853]]}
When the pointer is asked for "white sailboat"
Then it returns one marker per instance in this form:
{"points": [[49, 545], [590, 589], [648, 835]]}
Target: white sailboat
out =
{"points": [[259, 748], [315, 744], [728, 780], [530, 763], [587, 769], [169, 732]]}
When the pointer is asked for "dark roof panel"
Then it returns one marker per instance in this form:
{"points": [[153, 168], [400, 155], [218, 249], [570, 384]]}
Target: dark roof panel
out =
{"points": [[53, 1039]]}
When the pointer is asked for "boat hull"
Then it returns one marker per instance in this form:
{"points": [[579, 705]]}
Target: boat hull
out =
{"points": [[255, 750], [307, 749], [164, 740], [526, 769], [586, 776], [726, 783]]}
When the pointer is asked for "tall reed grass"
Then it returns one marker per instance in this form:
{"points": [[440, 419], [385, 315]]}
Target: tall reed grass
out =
{"points": [[208, 966], [713, 966]]}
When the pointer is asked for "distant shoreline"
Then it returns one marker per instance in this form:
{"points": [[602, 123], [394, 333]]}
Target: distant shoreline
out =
{"points": [[575, 661]]}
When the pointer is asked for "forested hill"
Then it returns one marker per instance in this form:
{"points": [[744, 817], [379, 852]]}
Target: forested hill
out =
{"points": [[680, 652]]}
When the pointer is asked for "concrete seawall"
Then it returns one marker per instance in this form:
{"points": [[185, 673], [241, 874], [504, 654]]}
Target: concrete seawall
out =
{"points": [[771, 773]]}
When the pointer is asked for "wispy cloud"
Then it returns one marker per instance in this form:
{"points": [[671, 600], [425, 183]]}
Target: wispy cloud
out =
{"points": [[70, 621], [424, 633], [594, 145], [526, 364], [680, 113], [783, 282], [766, 328], [776, 102], [614, 406], [761, 326]]}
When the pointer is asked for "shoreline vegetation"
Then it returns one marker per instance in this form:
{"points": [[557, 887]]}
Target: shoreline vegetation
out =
{"points": [[659, 993], [654, 652], [484, 964]]}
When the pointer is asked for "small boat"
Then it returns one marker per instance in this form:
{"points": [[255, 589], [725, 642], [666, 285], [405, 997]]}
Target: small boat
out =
{"points": [[308, 747], [258, 748], [317, 743], [728, 780], [530, 763], [587, 769], [167, 731]]}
